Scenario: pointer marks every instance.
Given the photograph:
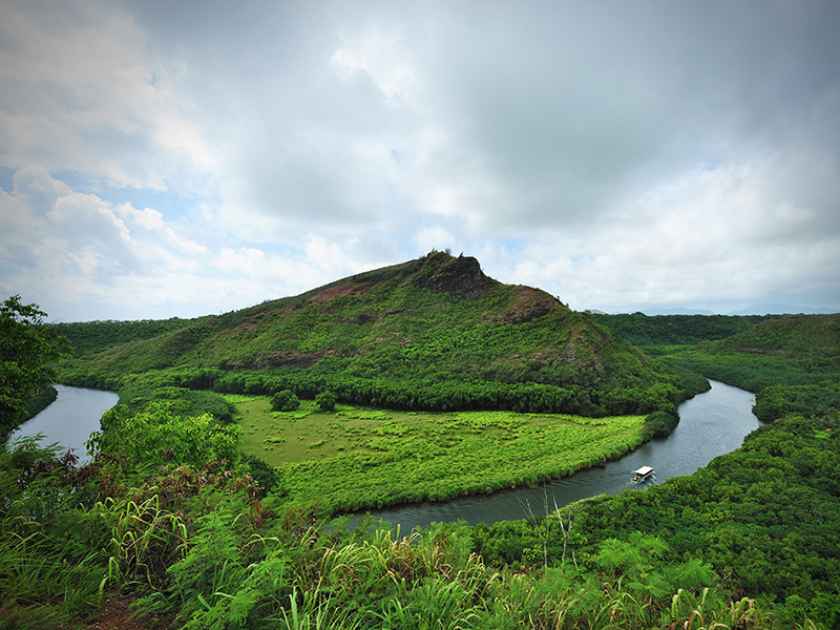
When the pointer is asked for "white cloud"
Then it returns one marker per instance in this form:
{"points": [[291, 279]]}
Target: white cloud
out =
{"points": [[83, 92], [76, 253], [606, 154], [434, 237]]}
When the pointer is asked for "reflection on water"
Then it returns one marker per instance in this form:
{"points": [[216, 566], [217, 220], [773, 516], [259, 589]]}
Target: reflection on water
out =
{"points": [[711, 424], [70, 419]]}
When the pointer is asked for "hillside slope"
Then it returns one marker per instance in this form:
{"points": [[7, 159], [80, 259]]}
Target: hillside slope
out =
{"points": [[797, 336], [647, 330], [792, 362], [435, 319]]}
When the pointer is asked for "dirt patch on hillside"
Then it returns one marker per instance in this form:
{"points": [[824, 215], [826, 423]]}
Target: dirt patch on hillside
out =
{"points": [[281, 358], [331, 293], [116, 615], [528, 304]]}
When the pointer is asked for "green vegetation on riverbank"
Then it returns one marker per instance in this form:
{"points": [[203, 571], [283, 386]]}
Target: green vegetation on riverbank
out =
{"points": [[791, 362], [42, 399], [359, 458], [766, 517], [28, 350]]}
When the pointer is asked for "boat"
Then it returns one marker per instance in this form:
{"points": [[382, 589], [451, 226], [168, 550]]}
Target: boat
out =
{"points": [[643, 474]]}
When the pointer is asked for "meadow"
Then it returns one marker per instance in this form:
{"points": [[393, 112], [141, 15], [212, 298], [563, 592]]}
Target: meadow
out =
{"points": [[360, 457]]}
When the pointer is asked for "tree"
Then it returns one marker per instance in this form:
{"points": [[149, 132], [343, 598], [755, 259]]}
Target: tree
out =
{"points": [[325, 401], [28, 350], [284, 400]]}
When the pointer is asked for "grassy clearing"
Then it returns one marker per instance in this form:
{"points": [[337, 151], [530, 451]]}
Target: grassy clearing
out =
{"points": [[358, 457]]}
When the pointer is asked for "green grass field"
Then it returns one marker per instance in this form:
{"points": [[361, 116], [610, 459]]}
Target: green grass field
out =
{"points": [[357, 458]]}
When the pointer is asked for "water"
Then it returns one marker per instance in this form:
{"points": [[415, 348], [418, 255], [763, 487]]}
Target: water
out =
{"points": [[71, 419], [711, 424]]}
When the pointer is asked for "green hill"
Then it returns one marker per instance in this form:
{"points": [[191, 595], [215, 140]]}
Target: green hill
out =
{"points": [[646, 330], [91, 337], [406, 331], [798, 336], [791, 361]]}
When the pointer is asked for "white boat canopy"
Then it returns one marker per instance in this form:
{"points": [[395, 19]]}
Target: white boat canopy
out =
{"points": [[644, 470]]}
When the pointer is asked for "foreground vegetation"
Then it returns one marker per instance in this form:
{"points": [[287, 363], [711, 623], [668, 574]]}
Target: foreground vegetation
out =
{"points": [[197, 547], [357, 458]]}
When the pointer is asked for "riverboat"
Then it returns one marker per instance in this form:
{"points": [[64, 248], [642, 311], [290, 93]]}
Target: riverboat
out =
{"points": [[642, 474]]}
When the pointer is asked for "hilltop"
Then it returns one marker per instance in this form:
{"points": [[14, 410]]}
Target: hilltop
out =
{"points": [[418, 325]]}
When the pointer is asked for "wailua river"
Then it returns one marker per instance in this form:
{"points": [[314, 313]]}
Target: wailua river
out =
{"points": [[711, 424], [70, 419]]}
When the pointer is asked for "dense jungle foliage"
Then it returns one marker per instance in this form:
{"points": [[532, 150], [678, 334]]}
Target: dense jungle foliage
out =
{"points": [[411, 335], [791, 361], [408, 394], [647, 330]]}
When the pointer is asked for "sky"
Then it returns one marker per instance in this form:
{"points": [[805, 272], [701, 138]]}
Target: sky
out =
{"points": [[164, 159]]}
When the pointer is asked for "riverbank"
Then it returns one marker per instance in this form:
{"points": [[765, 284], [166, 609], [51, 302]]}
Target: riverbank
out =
{"points": [[363, 458], [70, 419], [43, 399], [512, 548], [711, 424]]}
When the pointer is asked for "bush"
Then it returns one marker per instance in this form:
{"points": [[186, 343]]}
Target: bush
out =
{"points": [[661, 424], [285, 400], [265, 475], [182, 401], [325, 401]]}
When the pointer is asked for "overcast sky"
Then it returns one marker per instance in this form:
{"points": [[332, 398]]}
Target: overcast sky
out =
{"points": [[161, 159]]}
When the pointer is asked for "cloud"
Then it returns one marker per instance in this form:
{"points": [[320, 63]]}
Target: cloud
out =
{"points": [[434, 237], [87, 257], [82, 91], [621, 157]]}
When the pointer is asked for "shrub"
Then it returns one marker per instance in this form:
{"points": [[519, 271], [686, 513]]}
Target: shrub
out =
{"points": [[284, 400], [325, 401], [265, 475], [661, 424]]}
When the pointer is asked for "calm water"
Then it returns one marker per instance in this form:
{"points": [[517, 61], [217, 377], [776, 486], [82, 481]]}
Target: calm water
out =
{"points": [[711, 424], [70, 419]]}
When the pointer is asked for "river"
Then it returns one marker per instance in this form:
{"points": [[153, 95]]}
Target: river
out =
{"points": [[70, 419], [711, 424]]}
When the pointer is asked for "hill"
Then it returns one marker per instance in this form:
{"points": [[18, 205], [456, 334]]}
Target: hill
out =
{"points": [[795, 336], [791, 361], [405, 332], [645, 330], [91, 337]]}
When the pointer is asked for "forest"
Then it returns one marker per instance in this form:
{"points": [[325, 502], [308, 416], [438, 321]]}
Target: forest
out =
{"points": [[174, 523]]}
